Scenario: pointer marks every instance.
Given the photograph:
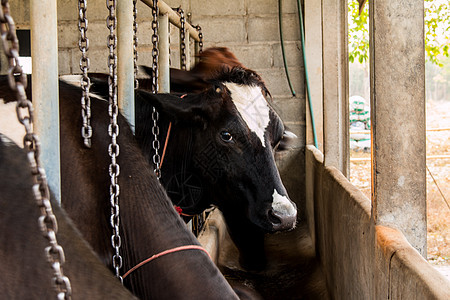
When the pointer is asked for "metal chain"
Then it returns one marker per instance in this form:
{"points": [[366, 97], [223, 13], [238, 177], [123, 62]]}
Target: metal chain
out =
{"points": [[155, 51], [200, 36], [182, 39], [113, 130], [135, 44], [155, 114], [83, 44], [47, 220]]}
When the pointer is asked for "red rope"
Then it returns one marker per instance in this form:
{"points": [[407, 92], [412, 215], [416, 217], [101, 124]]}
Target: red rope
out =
{"points": [[177, 249], [165, 145], [167, 138]]}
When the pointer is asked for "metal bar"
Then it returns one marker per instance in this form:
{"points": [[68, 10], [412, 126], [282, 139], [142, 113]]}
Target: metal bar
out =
{"points": [[125, 62], [197, 51], [174, 18], [429, 129], [188, 52], [44, 51], [438, 129], [359, 159], [164, 67]]}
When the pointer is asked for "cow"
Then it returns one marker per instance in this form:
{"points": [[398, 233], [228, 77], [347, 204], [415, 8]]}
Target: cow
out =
{"points": [[220, 149], [221, 133], [25, 271], [149, 225]]}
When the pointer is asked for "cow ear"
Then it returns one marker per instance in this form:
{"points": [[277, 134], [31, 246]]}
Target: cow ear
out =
{"points": [[182, 81], [199, 108], [288, 141]]}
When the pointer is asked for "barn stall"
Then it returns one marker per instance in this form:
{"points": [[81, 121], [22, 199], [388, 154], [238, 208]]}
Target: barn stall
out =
{"points": [[348, 245]]}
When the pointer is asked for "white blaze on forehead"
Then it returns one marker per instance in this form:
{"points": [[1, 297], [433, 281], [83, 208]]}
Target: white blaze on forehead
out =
{"points": [[252, 106], [282, 205]]}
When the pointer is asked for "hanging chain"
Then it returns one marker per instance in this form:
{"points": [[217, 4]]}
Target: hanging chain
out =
{"points": [[113, 130], [155, 51], [155, 115], [135, 44], [47, 220], [200, 36], [83, 44], [182, 39]]}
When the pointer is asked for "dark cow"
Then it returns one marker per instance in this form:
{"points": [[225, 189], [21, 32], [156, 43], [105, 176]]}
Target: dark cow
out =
{"points": [[25, 271], [220, 148], [149, 223]]}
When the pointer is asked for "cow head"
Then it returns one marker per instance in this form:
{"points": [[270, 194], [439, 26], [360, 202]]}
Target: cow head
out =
{"points": [[235, 133]]}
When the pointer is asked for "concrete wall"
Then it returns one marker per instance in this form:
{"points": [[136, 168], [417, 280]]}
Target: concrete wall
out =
{"points": [[363, 261]]}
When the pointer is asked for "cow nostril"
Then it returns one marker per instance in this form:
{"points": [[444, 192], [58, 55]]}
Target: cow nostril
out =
{"points": [[273, 218]]}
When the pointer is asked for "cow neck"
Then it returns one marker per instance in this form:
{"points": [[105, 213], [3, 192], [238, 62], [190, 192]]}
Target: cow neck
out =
{"points": [[166, 252], [167, 138]]}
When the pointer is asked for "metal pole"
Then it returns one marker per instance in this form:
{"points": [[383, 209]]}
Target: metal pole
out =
{"points": [[174, 18], [188, 52], [125, 62], [44, 51], [197, 51], [164, 68]]}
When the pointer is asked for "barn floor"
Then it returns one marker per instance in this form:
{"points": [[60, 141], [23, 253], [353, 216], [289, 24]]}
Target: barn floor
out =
{"points": [[293, 271]]}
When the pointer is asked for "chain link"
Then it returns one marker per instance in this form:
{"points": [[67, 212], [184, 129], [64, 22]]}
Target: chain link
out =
{"points": [[182, 39], [155, 51], [155, 114], [113, 131], [200, 36], [47, 220], [83, 44], [135, 44]]}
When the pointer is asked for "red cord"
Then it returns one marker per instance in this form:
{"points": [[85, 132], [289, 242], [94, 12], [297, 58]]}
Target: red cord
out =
{"points": [[165, 145], [167, 138], [177, 249]]}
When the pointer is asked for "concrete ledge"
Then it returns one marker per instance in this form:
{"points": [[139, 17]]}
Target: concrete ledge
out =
{"points": [[362, 260], [403, 271]]}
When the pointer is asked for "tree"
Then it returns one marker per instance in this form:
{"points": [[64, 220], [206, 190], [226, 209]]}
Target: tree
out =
{"points": [[437, 31]]}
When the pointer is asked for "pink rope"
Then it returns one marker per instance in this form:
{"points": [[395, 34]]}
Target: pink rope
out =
{"points": [[177, 249]]}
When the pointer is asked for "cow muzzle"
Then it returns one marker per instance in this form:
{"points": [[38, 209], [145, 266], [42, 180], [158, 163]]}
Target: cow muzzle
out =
{"points": [[283, 213]]}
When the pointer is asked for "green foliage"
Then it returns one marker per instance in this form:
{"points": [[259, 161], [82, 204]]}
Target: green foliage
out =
{"points": [[437, 31], [358, 32]]}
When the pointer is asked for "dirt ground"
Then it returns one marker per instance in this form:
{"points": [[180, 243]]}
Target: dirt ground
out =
{"points": [[438, 213]]}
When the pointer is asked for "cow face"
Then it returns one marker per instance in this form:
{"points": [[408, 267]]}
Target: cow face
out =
{"points": [[246, 135], [235, 134]]}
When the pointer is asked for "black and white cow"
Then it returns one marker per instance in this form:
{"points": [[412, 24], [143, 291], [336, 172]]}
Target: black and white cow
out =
{"points": [[220, 149], [221, 134]]}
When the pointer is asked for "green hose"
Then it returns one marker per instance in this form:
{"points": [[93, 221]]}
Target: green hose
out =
{"points": [[302, 30], [282, 48]]}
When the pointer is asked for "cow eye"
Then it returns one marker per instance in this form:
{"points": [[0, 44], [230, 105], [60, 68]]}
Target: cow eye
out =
{"points": [[226, 136]]}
